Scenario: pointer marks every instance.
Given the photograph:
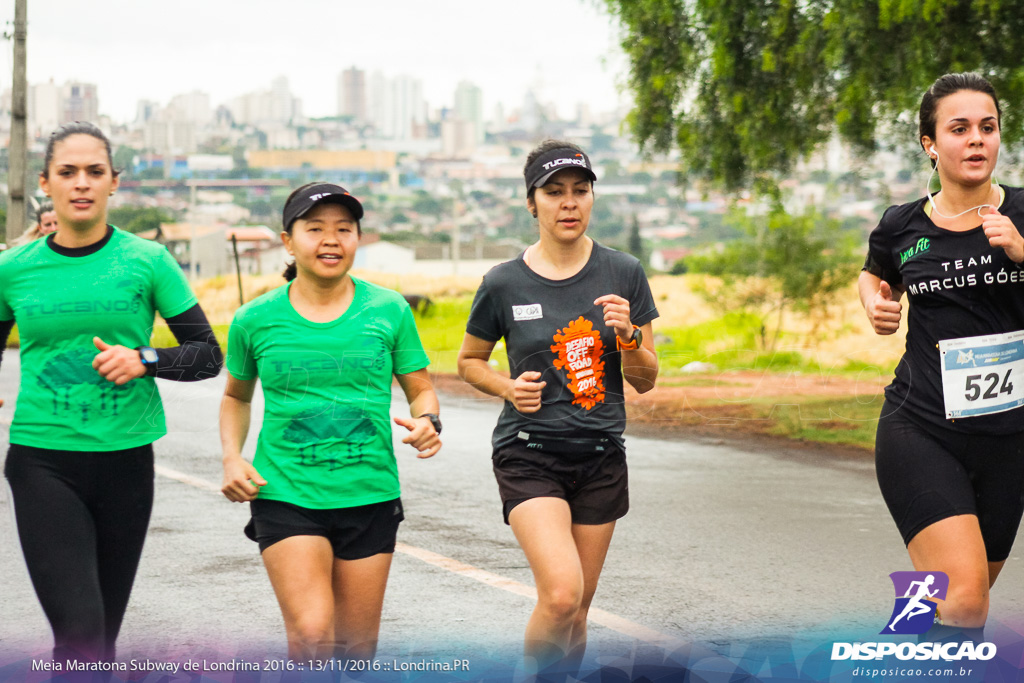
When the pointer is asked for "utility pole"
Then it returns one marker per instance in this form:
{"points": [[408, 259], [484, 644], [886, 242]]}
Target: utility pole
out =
{"points": [[16, 218]]}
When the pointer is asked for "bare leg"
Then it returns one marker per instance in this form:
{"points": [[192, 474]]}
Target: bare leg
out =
{"points": [[300, 571], [543, 527], [358, 600], [954, 546], [592, 543]]}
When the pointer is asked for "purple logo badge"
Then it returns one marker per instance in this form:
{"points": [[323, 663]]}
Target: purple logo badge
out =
{"points": [[914, 611]]}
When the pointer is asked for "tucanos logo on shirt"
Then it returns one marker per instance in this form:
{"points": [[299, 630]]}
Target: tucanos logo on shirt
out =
{"points": [[919, 248], [131, 293], [77, 390], [527, 312], [324, 438], [579, 349]]}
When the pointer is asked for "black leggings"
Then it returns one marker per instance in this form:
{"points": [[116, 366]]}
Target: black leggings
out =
{"points": [[82, 519]]}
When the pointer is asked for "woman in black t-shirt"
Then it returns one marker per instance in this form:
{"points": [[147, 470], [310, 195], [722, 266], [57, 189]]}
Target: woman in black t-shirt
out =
{"points": [[576, 318], [949, 452]]}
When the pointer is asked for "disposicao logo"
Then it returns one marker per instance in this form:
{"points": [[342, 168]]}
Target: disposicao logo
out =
{"points": [[914, 613]]}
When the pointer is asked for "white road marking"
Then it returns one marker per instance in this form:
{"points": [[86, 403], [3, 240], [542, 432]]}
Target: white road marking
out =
{"points": [[186, 478], [596, 615]]}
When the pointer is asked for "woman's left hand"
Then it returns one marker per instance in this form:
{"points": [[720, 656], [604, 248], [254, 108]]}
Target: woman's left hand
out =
{"points": [[117, 364], [1002, 233], [616, 314], [422, 435]]}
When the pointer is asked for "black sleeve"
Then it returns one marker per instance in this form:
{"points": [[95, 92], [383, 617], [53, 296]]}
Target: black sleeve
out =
{"points": [[5, 332], [642, 308], [879, 261], [199, 355], [483, 319]]}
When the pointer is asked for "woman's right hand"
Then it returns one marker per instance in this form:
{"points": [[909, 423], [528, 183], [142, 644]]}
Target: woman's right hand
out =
{"points": [[883, 311], [524, 392], [241, 480]]}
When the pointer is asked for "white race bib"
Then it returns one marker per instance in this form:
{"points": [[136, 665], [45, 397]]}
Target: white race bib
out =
{"points": [[982, 375]]}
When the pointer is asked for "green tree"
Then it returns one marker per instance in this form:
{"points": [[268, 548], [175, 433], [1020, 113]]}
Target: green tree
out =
{"points": [[783, 263], [124, 158], [428, 205], [138, 218], [635, 243], [745, 89]]}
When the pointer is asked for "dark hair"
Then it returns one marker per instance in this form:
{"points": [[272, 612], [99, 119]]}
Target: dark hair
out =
{"points": [[544, 148], [290, 270], [44, 207], [76, 128], [943, 87]]}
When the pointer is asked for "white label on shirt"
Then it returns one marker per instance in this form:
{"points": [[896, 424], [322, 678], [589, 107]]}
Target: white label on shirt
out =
{"points": [[982, 375], [527, 312]]}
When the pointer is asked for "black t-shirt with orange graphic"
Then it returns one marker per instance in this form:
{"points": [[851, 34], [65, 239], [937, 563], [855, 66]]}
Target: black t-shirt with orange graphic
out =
{"points": [[553, 327]]}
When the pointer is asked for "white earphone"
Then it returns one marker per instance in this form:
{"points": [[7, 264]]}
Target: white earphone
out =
{"points": [[931, 197]]}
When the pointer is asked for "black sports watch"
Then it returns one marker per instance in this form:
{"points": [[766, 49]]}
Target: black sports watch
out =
{"points": [[638, 336], [149, 358], [434, 420]]}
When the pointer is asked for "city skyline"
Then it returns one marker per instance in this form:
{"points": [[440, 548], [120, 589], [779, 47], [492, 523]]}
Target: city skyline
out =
{"points": [[566, 52]]}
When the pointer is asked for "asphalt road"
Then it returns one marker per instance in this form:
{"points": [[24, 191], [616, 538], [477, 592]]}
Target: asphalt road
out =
{"points": [[722, 548]]}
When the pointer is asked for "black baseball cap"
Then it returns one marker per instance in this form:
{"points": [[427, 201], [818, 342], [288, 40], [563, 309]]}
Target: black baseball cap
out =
{"points": [[301, 203], [555, 160]]}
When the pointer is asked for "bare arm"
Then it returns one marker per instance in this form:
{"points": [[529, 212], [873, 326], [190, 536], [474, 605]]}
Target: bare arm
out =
{"points": [[422, 399], [524, 392], [640, 365], [241, 480], [881, 302]]}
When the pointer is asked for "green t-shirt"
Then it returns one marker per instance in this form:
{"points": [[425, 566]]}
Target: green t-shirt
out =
{"points": [[60, 303], [326, 436]]}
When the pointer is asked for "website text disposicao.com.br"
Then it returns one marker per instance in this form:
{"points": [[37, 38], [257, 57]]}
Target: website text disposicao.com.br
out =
{"points": [[908, 672], [945, 658]]}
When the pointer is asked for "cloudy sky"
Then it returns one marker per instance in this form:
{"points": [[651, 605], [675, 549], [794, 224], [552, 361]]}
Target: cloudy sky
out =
{"points": [[154, 49]]}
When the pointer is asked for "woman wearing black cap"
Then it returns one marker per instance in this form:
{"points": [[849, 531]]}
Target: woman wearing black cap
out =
{"points": [[324, 483], [576, 317]]}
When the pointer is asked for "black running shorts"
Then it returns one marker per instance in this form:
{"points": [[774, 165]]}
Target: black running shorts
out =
{"points": [[354, 532], [929, 474], [596, 486]]}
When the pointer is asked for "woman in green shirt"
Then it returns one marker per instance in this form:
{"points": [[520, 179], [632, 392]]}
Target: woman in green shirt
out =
{"points": [[324, 483], [80, 463]]}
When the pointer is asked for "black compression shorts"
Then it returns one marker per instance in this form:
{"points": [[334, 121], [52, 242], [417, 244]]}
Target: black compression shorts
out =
{"points": [[929, 474]]}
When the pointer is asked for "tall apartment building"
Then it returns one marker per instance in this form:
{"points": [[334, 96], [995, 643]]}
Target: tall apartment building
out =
{"points": [[352, 95], [193, 107], [395, 106], [79, 102], [44, 109], [469, 107]]}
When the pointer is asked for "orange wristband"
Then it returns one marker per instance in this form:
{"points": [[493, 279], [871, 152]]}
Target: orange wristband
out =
{"points": [[632, 344]]}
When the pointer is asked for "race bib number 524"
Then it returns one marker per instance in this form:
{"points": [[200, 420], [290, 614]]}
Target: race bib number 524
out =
{"points": [[982, 375]]}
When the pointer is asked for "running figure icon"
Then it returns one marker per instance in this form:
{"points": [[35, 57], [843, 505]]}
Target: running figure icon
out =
{"points": [[916, 604], [915, 607]]}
